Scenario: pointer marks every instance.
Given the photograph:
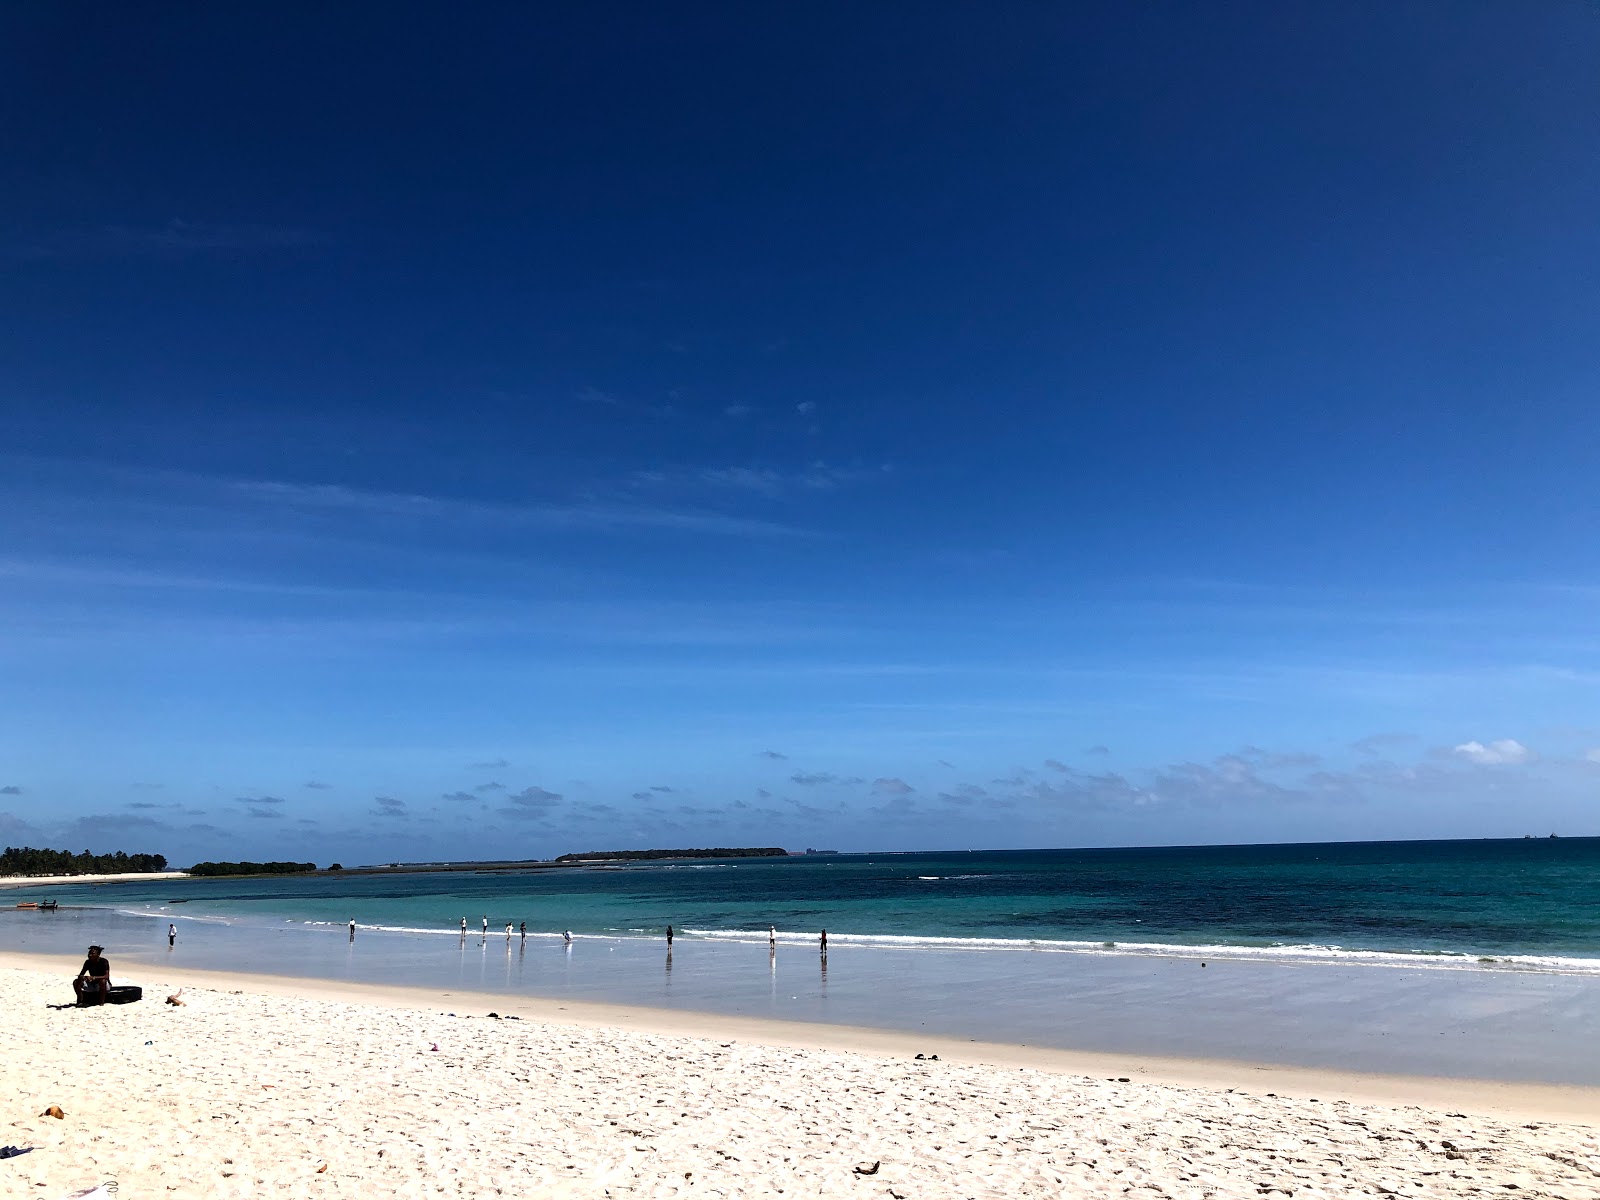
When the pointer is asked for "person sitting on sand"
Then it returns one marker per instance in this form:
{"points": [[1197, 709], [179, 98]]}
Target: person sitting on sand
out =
{"points": [[94, 979]]}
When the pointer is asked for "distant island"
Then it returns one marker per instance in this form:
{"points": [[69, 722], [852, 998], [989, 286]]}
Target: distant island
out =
{"points": [[25, 860], [640, 855], [251, 868]]}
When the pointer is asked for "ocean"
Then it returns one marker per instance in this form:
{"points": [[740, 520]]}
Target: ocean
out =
{"points": [[1473, 959], [1524, 904]]}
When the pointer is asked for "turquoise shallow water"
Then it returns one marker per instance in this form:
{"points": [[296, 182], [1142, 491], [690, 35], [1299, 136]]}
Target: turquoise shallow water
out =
{"points": [[1526, 904]]}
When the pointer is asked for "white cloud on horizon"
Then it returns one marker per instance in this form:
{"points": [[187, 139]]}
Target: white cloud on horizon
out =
{"points": [[1505, 752]]}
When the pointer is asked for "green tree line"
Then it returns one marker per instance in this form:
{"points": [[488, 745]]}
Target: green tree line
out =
{"points": [[718, 852], [26, 860], [251, 868]]}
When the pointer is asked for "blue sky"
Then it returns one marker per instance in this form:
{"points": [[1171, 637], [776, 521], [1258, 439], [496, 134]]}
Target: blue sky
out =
{"points": [[439, 433]]}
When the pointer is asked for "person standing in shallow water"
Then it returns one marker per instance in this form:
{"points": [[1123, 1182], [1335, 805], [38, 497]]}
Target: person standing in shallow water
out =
{"points": [[669, 935], [524, 928], [172, 936], [823, 943]]}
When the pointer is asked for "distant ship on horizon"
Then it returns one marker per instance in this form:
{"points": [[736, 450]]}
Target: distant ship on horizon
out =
{"points": [[809, 850]]}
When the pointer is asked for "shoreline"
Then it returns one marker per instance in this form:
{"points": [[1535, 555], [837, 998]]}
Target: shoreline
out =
{"points": [[1541, 1101], [1516, 1027], [12, 882]]}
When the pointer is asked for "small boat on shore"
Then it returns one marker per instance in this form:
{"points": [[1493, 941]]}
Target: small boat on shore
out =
{"points": [[39, 905]]}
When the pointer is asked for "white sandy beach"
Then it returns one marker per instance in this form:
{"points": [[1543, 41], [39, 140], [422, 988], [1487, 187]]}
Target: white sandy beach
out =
{"points": [[263, 1086], [24, 881]]}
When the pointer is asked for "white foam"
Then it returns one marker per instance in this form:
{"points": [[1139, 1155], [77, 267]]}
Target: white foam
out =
{"points": [[1431, 960], [168, 915]]}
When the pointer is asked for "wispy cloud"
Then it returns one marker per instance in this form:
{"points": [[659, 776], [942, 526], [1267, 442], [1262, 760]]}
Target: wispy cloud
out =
{"points": [[812, 778], [593, 516], [774, 755], [71, 574], [261, 808], [964, 795], [1382, 743], [498, 764], [388, 806], [10, 789], [1276, 761], [315, 786], [892, 787], [768, 482], [158, 493], [121, 831]]}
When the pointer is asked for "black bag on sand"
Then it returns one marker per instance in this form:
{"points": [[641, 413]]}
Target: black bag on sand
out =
{"points": [[126, 994]]}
